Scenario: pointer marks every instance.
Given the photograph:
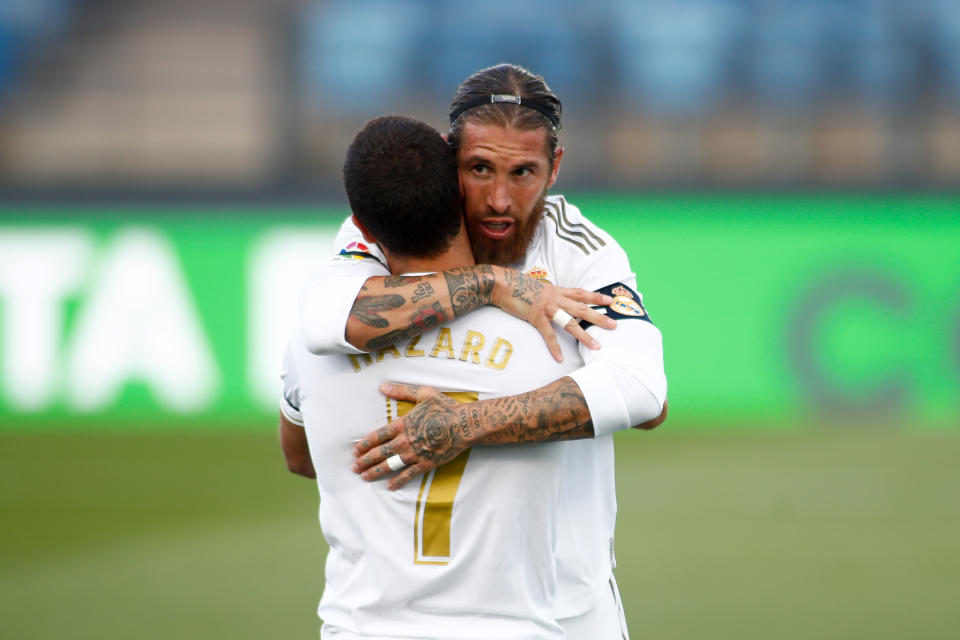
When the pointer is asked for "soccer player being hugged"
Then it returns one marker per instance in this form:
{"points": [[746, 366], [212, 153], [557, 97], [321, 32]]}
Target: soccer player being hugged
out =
{"points": [[539, 259]]}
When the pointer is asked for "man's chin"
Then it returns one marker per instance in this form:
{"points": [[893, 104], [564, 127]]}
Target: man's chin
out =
{"points": [[501, 252], [512, 249]]}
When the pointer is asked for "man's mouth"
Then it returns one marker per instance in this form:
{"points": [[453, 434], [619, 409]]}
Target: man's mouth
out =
{"points": [[497, 228]]}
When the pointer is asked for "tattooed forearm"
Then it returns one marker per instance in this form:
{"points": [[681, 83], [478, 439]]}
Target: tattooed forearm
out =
{"points": [[557, 411], [366, 309], [424, 290], [390, 338], [393, 282], [469, 287], [417, 303], [425, 318]]}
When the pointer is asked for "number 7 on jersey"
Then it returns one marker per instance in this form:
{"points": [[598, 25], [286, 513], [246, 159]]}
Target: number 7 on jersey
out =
{"points": [[438, 491]]}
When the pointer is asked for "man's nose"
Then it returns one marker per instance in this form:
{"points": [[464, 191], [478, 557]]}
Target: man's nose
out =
{"points": [[498, 198]]}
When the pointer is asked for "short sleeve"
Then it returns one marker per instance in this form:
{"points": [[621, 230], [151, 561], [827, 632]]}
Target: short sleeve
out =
{"points": [[290, 398]]}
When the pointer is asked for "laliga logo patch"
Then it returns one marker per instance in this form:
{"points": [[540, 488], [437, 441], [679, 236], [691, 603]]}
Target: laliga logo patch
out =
{"points": [[627, 306], [356, 251], [538, 273]]}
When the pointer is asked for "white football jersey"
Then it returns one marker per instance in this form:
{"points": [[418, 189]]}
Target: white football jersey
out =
{"points": [[466, 551], [569, 251]]}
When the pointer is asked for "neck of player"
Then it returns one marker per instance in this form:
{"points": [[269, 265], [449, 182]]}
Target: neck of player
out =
{"points": [[458, 254]]}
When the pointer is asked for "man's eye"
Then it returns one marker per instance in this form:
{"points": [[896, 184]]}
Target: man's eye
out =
{"points": [[522, 172], [481, 168]]}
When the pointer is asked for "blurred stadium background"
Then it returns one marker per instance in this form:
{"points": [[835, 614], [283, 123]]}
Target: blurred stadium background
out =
{"points": [[784, 175]]}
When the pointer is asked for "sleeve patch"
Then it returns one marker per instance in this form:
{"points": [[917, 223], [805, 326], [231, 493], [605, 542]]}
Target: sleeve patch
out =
{"points": [[357, 251], [627, 304]]}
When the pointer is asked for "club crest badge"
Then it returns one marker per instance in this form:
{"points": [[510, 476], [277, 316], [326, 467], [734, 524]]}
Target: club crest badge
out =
{"points": [[538, 273], [627, 306], [621, 291]]}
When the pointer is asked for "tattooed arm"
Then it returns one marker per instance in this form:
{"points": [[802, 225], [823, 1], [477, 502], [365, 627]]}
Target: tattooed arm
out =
{"points": [[438, 428], [391, 309]]}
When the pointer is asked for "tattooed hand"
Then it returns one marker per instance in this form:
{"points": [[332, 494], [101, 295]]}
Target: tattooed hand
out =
{"points": [[434, 432], [536, 301]]}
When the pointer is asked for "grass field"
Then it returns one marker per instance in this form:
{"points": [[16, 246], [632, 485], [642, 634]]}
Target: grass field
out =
{"points": [[746, 534]]}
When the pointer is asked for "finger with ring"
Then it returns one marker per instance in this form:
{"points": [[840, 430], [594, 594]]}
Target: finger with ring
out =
{"points": [[561, 318], [395, 462]]}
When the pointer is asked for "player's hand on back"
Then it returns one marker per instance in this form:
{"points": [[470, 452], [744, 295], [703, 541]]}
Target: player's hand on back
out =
{"points": [[434, 432], [543, 305]]}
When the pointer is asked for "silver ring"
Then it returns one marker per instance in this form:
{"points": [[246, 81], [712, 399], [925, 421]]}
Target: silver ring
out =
{"points": [[396, 463], [561, 319]]}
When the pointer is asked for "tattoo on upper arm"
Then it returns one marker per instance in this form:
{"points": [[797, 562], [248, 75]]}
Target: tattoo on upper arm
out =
{"points": [[469, 287], [366, 309]]}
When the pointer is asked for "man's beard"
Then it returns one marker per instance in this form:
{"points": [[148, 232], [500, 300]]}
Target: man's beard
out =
{"points": [[510, 250]]}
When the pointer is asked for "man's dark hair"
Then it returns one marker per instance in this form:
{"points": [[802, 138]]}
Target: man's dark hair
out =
{"points": [[402, 183], [506, 80]]}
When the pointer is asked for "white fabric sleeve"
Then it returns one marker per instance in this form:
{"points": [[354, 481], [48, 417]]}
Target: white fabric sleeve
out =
{"points": [[327, 298], [623, 383], [290, 405]]}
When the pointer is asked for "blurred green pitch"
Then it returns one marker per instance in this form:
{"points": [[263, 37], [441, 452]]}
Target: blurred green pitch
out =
{"points": [[809, 533]]}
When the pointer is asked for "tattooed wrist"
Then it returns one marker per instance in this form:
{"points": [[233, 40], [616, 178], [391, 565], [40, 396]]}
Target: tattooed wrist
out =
{"points": [[469, 287], [555, 412], [522, 286]]}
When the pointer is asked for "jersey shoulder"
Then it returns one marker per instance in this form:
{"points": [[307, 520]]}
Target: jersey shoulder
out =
{"points": [[568, 231], [578, 253], [349, 245]]}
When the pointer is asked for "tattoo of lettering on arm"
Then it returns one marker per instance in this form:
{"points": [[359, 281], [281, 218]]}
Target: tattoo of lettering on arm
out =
{"points": [[558, 412], [424, 290], [366, 309], [469, 287], [424, 319]]}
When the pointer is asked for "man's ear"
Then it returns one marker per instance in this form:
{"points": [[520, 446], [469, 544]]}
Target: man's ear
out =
{"points": [[366, 234], [557, 157]]}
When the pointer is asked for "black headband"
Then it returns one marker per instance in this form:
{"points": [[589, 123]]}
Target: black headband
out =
{"points": [[494, 98]]}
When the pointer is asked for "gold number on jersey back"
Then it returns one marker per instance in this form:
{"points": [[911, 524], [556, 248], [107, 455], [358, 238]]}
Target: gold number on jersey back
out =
{"points": [[438, 491]]}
